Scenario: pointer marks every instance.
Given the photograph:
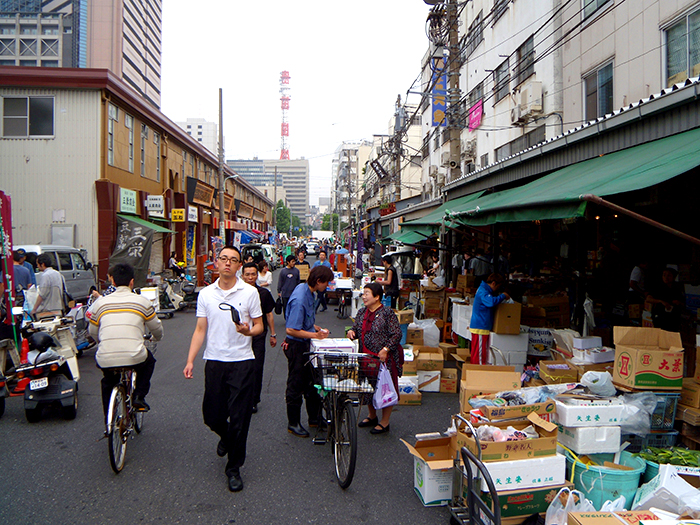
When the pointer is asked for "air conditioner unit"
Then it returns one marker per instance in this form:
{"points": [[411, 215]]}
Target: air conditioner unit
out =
{"points": [[445, 158], [515, 115], [440, 179], [531, 98], [469, 149], [433, 171]]}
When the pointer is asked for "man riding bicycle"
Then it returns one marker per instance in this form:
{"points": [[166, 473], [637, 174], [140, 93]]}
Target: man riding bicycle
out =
{"points": [[118, 322]]}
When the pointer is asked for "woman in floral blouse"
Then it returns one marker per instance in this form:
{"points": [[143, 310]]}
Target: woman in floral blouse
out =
{"points": [[378, 331]]}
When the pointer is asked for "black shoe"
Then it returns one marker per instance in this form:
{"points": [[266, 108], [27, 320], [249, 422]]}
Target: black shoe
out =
{"points": [[368, 422], [235, 483], [298, 430], [221, 449], [255, 408], [381, 430], [140, 404], [318, 424]]}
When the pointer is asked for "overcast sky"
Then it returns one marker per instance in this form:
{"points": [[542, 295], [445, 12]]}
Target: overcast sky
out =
{"points": [[347, 60]]}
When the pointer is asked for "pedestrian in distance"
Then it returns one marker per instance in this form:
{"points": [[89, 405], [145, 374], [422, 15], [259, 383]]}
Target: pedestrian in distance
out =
{"points": [[301, 328], [379, 333], [483, 310], [229, 370], [50, 297], [391, 279], [321, 296], [287, 281], [267, 304], [118, 322], [24, 262], [264, 275], [22, 274]]}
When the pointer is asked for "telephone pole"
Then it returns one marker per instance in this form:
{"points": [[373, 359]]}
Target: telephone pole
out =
{"points": [[222, 189]]}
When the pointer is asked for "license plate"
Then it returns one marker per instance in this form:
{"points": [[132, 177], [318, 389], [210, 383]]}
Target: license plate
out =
{"points": [[38, 384]]}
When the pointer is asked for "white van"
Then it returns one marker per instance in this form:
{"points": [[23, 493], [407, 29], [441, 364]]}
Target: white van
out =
{"points": [[76, 271]]}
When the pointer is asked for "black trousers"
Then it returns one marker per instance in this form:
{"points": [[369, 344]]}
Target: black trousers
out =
{"points": [[285, 300], [228, 405], [259, 343], [144, 372], [300, 381], [321, 300]]}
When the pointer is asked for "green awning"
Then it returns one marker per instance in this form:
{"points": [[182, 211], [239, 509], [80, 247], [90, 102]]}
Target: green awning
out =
{"points": [[408, 237], [430, 223], [558, 195], [146, 224]]}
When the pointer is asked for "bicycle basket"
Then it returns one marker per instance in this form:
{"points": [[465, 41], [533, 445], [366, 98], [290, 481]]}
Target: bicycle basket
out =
{"points": [[341, 373]]}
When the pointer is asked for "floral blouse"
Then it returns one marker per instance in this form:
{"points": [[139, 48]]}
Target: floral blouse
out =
{"points": [[385, 331]]}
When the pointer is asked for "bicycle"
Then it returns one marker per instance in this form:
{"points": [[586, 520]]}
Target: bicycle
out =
{"points": [[339, 382], [122, 417], [343, 304]]}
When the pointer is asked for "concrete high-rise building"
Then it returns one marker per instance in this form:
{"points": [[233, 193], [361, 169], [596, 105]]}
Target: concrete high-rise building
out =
{"points": [[123, 36], [206, 133], [292, 175]]}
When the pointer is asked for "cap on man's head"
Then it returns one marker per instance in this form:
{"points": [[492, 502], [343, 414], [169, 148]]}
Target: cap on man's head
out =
{"points": [[21, 252]]}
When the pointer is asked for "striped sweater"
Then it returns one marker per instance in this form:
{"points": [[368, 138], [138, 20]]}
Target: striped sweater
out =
{"points": [[118, 322]]}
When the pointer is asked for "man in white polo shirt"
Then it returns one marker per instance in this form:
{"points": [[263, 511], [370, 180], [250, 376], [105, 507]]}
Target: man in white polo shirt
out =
{"points": [[229, 371]]}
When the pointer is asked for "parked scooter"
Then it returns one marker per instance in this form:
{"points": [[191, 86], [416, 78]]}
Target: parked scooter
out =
{"points": [[51, 367], [170, 301]]}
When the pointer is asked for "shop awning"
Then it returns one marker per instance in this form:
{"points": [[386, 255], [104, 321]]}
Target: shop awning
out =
{"points": [[559, 194], [430, 223], [146, 224], [407, 237]]}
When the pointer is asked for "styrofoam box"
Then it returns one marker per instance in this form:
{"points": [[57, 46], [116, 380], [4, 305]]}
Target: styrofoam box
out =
{"points": [[343, 284], [511, 358], [589, 356], [600, 413], [431, 376], [590, 440], [526, 473], [408, 385], [511, 343], [584, 343]]}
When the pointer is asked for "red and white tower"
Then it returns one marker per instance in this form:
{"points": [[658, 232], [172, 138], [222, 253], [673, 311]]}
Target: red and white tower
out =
{"points": [[284, 98]]}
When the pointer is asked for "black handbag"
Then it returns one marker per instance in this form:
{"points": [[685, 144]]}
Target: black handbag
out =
{"points": [[278, 306]]}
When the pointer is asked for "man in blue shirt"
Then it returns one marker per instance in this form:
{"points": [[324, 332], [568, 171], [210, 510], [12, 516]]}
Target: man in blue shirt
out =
{"points": [[23, 277], [300, 317], [321, 296], [23, 261]]}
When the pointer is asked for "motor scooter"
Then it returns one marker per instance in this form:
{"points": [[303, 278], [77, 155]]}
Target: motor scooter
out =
{"points": [[170, 301], [189, 293], [51, 366]]}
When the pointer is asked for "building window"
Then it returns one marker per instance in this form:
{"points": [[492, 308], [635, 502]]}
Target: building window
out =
{"points": [[484, 160], [499, 9], [156, 141], [129, 123], [49, 30], [501, 81], [27, 30], [476, 94], [27, 63], [599, 92], [475, 35], [184, 159], [144, 138], [683, 49], [7, 30], [525, 66], [591, 6], [49, 63], [113, 118], [28, 117]]}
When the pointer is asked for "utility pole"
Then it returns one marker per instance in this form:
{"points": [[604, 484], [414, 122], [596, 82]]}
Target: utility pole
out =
{"points": [[222, 189], [274, 210], [399, 117], [453, 93]]}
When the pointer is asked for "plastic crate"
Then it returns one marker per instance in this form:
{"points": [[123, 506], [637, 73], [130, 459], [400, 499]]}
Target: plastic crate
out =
{"points": [[665, 413], [655, 439]]}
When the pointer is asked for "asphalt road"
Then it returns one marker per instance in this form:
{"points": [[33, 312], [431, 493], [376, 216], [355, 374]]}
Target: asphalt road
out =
{"points": [[58, 471]]}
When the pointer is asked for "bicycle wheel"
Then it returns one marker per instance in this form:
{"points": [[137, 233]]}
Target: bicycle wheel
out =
{"points": [[118, 429], [136, 415], [345, 443]]}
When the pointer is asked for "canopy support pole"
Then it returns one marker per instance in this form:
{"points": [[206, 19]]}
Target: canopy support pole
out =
{"points": [[602, 202]]}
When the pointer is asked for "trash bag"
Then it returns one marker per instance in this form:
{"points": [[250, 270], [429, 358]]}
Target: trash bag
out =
{"points": [[567, 501], [431, 333], [636, 413], [599, 383]]}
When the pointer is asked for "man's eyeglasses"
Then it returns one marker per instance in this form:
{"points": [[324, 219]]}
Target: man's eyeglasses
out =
{"points": [[225, 259]]}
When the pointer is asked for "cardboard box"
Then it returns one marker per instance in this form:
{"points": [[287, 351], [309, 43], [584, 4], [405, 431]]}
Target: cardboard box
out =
{"points": [[404, 316], [690, 393], [534, 316], [545, 445], [507, 319], [478, 380], [410, 399], [429, 380], [607, 518], [557, 372], [590, 440], [429, 360], [523, 474], [539, 340], [449, 381], [575, 412], [523, 503], [648, 358], [495, 413], [432, 471], [510, 342], [303, 271], [447, 349], [414, 336]]}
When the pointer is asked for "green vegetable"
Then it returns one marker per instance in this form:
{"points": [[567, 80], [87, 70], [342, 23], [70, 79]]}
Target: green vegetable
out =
{"points": [[672, 456]]}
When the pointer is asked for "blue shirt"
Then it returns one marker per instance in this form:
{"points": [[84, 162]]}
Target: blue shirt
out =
{"points": [[322, 263], [483, 307], [301, 312], [23, 277], [29, 267]]}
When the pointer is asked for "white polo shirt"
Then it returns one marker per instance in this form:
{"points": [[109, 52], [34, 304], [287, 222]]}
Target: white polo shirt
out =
{"points": [[224, 343]]}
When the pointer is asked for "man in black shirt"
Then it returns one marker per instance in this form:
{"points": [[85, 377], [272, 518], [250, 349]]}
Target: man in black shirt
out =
{"points": [[287, 281], [267, 304]]}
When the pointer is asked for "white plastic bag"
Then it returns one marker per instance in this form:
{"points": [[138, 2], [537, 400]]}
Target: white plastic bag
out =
{"points": [[636, 412], [599, 383], [385, 394], [614, 506], [431, 333], [565, 502]]}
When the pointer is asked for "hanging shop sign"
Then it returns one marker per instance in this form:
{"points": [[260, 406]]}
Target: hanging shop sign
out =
{"points": [[245, 210], [155, 204], [199, 193], [192, 214], [439, 92], [177, 215], [386, 209], [127, 201]]}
